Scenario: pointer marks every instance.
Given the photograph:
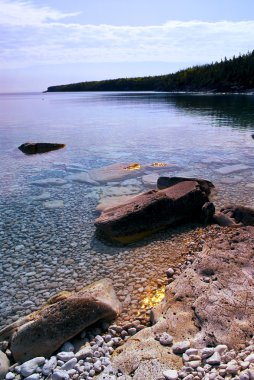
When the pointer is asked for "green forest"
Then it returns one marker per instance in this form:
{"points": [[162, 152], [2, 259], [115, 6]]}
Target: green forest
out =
{"points": [[228, 75]]}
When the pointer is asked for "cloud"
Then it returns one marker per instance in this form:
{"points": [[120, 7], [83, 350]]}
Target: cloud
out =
{"points": [[24, 13], [32, 35]]}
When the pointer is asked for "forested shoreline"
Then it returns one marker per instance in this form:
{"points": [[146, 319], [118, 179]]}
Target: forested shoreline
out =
{"points": [[228, 75]]}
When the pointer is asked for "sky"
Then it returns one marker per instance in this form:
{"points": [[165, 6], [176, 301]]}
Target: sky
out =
{"points": [[51, 42]]}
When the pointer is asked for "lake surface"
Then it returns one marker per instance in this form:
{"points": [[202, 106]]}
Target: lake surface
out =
{"points": [[206, 136]]}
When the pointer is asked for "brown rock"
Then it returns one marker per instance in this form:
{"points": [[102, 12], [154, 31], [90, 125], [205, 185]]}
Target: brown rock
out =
{"points": [[67, 314], [165, 182], [152, 211], [33, 148], [235, 215]]}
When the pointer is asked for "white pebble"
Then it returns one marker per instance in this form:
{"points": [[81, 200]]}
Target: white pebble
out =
{"points": [[65, 356], [10, 376], [170, 374]]}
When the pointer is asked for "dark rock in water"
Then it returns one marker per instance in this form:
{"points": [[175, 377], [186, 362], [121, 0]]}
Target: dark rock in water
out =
{"points": [[252, 135], [235, 215], [165, 182], [64, 316], [33, 148], [152, 211], [207, 213]]}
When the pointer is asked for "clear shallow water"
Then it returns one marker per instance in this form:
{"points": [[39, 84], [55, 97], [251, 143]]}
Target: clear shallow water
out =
{"points": [[199, 133], [43, 251]]}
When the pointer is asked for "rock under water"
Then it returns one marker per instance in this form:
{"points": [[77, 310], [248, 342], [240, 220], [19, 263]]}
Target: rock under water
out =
{"points": [[33, 148]]}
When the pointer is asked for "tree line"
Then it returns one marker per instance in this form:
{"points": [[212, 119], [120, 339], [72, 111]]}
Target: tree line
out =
{"points": [[228, 75]]}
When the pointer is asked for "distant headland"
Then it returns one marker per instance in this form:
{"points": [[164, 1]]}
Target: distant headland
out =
{"points": [[228, 75]]}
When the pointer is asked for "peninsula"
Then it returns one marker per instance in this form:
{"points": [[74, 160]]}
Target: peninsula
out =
{"points": [[228, 75]]}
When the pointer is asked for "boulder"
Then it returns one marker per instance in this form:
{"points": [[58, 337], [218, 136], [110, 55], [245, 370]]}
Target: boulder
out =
{"points": [[4, 365], [152, 211], [64, 316], [209, 303], [235, 215], [165, 182], [33, 148]]}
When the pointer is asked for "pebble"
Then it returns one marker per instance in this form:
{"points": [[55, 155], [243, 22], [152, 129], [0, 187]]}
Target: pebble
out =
{"points": [[170, 374], [10, 376], [67, 347], [181, 347], [60, 375], [165, 339], [70, 364], [29, 367], [249, 358], [215, 359], [65, 356], [49, 366], [170, 272], [34, 376]]}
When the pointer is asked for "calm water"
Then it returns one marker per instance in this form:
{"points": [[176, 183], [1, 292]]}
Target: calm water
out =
{"points": [[43, 250], [199, 133]]}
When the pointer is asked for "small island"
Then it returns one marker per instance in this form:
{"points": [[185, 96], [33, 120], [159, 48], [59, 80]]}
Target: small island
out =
{"points": [[228, 75]]}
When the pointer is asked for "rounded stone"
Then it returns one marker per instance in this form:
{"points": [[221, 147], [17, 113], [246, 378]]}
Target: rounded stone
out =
{"points": [[181, 347], [165, 339], [170, 374]]}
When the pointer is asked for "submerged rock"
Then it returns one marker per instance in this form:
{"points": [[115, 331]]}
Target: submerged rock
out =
{"points": [[33, 148], [152, 211], [67, 314], [235, 215]]}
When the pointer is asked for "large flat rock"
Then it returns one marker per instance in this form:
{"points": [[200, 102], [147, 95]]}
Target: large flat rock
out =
{"points": [[67, 314], [211, 302], [152, 211]]}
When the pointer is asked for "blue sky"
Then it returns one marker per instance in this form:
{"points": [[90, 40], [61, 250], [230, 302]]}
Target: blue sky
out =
{"points": [[48, 42]]}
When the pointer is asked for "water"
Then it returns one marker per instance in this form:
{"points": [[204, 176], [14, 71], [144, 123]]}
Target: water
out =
{"points": [[207, 136]]}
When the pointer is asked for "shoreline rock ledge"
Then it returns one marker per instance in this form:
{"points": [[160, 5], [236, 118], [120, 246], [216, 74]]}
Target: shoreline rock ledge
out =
{"points": [[65, 315], [152, 211], [209, 306]]}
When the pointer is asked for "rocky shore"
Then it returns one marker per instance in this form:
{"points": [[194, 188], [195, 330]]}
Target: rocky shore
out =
{"points": [[186, 300]]}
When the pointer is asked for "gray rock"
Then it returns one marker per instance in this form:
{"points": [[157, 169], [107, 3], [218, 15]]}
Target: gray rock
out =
{"points": [[215, 359], [207, 352], [60, 375], [30, 367], [84, 353], [49, 366], [70, 364], [34, 376], [4, 365]]}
